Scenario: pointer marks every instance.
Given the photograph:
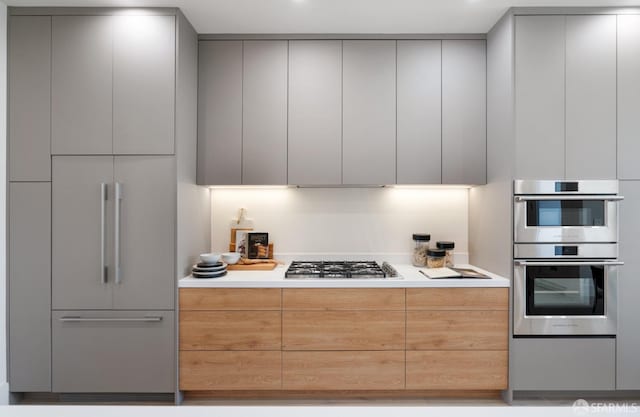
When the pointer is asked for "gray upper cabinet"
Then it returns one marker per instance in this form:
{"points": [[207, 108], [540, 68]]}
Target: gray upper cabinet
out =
{"points": [[81, 236], [464, 133], [29, 249], [264, 114], [628, 339], [369, 112], [81, 89], [628, 96], [143, 84], [540, 97], [591, 97], [29, 98], [147, 232], [220, 113], [419, 112], [315, 112]]}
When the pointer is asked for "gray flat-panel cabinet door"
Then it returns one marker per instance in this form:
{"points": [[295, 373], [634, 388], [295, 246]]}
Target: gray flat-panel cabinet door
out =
{"points": [[591, 97], [369, 112], [147, 232], [464, 112], [419, 112], [315, 112], [264, 94], [81, 89], [143, 84], [628, 339], [113, 351], [220, 113], [80, 234], [30, 286], [540, 97], [628, 96], [29, 82]]}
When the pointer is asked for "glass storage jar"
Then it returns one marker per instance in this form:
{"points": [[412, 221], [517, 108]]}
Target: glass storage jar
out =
{"points": [[435, 258], [448, 247], [421, 245]]}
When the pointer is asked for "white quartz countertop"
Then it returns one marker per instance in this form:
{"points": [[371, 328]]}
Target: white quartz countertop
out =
{"points": [[411, 278]]}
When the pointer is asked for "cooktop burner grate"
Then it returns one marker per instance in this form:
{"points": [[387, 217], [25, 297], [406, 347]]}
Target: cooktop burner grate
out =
{"points": [[340, 270]]}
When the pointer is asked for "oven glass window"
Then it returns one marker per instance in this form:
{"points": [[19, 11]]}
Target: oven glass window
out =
{"points": [[565, 212], [565, 290]]}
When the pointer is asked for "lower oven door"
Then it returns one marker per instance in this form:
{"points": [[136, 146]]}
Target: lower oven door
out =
{"points": [[565, 298]]}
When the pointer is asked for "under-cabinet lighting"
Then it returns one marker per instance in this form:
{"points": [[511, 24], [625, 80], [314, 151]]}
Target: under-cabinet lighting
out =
{"points": [[249, 187], [430, 187]]}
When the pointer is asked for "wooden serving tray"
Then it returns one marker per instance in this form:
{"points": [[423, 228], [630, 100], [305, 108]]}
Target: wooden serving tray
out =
{"points": [[264, 266]]}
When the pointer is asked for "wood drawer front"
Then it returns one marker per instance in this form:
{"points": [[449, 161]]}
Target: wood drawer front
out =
{"points": [[230, 330], [205, 371], [343, 330], [372, 370], [459, 370], [230, 298], [457, 298], [343, 299], [457, 330]]}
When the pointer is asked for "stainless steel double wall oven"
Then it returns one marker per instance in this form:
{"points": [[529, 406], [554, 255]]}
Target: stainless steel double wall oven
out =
{"points": [[565, 257]]}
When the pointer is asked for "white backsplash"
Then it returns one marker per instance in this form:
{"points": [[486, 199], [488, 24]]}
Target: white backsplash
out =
{"points": [[345, 223]]}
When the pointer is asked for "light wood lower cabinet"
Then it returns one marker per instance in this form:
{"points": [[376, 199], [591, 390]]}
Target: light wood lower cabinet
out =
{"points": [[343, 330], [220, 370], [369, 339], [356, 370], [457, 370], [457, 330], [230, 330]]}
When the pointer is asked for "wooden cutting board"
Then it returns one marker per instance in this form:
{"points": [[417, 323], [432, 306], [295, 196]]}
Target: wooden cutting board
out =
{"points": [[265, 266]]}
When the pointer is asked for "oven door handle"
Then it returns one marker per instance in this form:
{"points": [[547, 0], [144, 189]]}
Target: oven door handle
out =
{"points": [[520, 198], [572, 263]]}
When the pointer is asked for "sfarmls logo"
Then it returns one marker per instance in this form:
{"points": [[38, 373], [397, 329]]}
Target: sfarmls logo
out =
{"points": [[583, 407]]}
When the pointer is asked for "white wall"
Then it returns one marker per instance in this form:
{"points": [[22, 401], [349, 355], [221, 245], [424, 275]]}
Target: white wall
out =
{"points": [[4, 386], [345, 222]]}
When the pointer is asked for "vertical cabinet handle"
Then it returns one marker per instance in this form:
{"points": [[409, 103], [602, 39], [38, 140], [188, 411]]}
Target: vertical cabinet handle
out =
{"points": [[103, 233], [118, 200]]}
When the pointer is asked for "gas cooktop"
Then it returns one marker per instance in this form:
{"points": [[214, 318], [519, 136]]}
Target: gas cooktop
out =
{"points": [[340, 270]]}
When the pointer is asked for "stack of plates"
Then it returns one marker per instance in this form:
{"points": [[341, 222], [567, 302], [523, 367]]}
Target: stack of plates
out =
{"points": [[205, 270]]}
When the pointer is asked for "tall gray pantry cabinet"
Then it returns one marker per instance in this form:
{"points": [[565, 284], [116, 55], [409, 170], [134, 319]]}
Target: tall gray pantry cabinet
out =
{"points": [[92, 198]]}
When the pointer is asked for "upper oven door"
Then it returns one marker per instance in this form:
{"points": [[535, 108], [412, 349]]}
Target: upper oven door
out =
{"points": [[565, 218]]}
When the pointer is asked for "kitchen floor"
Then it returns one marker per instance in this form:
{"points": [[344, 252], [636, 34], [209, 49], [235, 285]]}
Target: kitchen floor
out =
{"points": [[335, 408]]}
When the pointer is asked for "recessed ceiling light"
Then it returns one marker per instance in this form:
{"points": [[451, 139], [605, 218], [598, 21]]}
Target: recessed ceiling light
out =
{"points": [[299, 1]]}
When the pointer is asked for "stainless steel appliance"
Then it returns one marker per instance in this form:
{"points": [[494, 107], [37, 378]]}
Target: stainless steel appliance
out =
{"points": [[565, 289], [340, 270], [565, 257], [565, 211]]}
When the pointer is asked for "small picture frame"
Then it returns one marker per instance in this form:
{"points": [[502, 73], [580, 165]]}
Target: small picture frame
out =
{"points": [[241, 242], [257, 245]]}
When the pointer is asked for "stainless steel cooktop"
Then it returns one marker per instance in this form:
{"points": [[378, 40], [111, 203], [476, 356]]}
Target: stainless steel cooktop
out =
{"points": [[341, 270]]}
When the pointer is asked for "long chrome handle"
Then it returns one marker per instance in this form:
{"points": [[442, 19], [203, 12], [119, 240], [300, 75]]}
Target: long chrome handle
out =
{"points": [[111, 319], [118, 200], [572, 263], [568, 197], [103, 233]]}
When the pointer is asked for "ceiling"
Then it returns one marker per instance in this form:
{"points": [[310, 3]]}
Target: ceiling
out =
{"points": [[336, 16]]}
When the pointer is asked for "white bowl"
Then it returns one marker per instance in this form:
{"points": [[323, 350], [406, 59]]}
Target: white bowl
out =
{"points": [[210, 258], [231, 257]]}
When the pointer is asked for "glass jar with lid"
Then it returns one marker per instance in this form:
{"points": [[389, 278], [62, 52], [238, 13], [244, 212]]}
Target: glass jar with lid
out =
{"points": [[421, 245], [435, 258], [448, 247]]}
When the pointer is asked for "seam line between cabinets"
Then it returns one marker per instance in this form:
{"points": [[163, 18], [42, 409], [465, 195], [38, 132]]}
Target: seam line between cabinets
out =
{"points": [[441, 114], [342, 112], [50, 203], [565, 94], [242, 112], [617, 115], [286, 174], [396, 96]]}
